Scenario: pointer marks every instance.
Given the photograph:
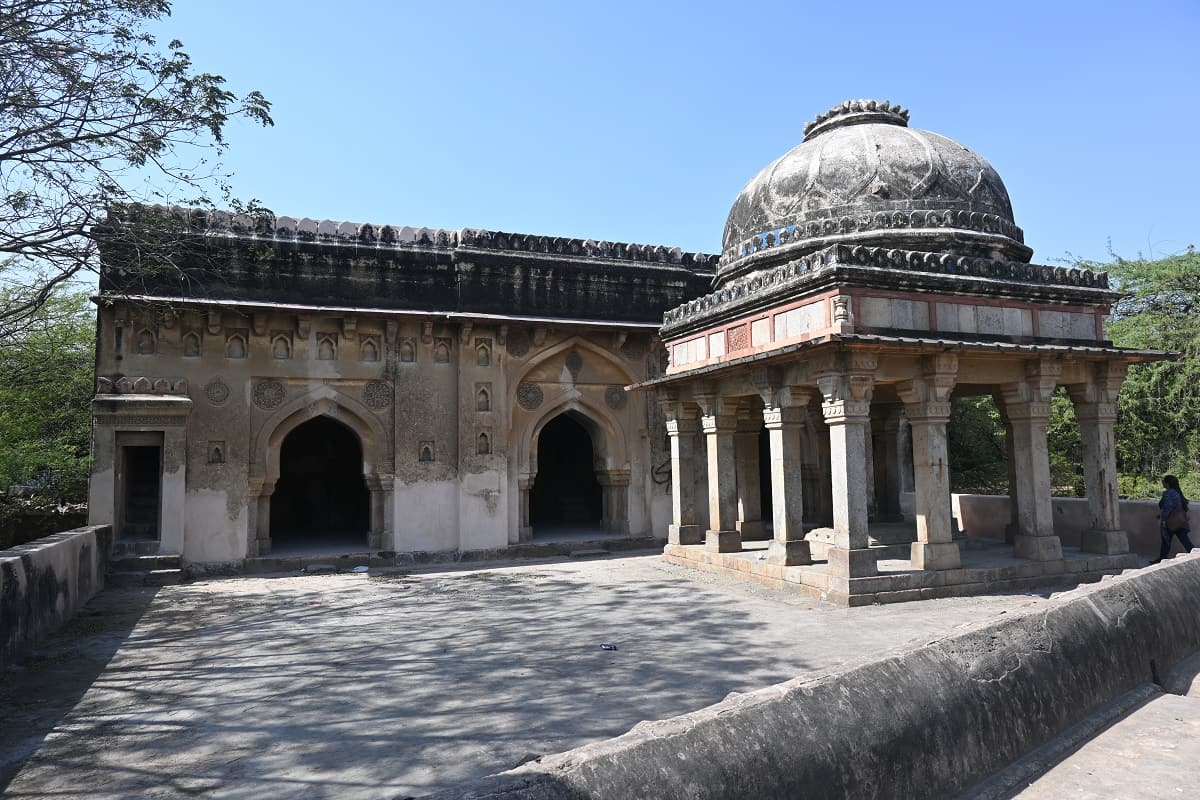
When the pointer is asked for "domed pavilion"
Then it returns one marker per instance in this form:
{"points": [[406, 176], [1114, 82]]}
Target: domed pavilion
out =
{"points": [[867, 278]]}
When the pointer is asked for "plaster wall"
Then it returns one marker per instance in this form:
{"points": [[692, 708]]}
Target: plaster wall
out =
{"points": [[434, 404], [43, 583]]}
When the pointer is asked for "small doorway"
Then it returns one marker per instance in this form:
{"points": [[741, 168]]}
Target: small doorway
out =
{"points": [[320, 500], [566, 497], [140, 486]]}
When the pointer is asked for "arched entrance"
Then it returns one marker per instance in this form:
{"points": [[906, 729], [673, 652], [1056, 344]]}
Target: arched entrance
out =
{"points": [[320, 499], [566, 496]]}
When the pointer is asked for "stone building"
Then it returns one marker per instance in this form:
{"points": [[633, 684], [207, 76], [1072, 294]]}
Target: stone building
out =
{"points": [[867, 278], [306, 383], [427, 390]]}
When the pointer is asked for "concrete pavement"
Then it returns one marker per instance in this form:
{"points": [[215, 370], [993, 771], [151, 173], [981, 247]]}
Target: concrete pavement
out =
{"points": [[396, 685]]}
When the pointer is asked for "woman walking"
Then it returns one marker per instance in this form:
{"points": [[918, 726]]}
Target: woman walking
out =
{"points": [[1173, 517]]}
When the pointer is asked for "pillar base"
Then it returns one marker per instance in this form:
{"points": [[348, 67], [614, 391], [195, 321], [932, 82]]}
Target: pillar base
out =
{"points": [[684, 534], [723, 541], [1109, 543], [1037, 548], [852, 563], [789, 554], [264, 547], [935, 555], [525, 534], [752, 529], [375, 540]]}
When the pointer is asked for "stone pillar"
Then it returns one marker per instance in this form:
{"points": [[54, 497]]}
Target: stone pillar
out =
{"points": [[785, 416], [749, 484], [380, 487], [1027, 405], [263, 520], [890, 431], [1010, 529], [1096, 410], [927, 403], [681, 430], [847, 410], [719, 421], [525, 527], [614, 486]]}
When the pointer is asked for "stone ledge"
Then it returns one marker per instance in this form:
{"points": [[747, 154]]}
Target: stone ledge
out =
{"points": [[899, 586]]}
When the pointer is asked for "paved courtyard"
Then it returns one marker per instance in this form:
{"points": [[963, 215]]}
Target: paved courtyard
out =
{"points": [[395, 685]]}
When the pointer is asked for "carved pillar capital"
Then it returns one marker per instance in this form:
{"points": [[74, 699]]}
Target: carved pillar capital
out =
{"points": [[846, 396]]}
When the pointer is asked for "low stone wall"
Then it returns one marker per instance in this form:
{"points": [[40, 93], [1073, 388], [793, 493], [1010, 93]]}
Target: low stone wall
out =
{"points": [[927, 722], [987, 516], [43, 583]]}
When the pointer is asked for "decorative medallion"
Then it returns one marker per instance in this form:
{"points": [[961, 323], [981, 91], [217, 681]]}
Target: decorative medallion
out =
{"points": [[574, 363], [615, 397], [529, 395], [269, 394], [377, 394], [518, 343], [216, 391], [632, 349]]}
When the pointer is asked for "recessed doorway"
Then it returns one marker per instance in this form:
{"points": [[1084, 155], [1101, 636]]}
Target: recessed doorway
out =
{"points": [[321, 501], [566, 497]]}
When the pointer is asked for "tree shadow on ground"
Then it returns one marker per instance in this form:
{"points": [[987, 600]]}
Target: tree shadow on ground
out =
{"points": [[40, 690]]}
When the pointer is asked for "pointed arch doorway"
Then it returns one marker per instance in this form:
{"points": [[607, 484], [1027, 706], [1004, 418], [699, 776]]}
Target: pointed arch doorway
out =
{"points": [[321, 500], [572, 493]]}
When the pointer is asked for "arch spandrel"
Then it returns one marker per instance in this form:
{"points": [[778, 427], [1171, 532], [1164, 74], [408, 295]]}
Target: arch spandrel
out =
{"points": [[609, 442], [378, 456], [599, 366]]}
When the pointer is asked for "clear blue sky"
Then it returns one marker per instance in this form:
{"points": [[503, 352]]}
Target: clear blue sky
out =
{"points": [[641, 121]]}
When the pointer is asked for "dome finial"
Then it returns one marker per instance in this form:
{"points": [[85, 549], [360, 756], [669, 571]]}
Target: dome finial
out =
{"points": [[857, 112]]}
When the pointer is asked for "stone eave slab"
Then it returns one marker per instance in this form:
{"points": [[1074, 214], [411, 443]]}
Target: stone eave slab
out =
{"points": [[169, 404], [930, 344], [302, 308], [889, 270]]}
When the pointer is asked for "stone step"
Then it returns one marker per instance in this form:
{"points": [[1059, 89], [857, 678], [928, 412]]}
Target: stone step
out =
{"points": [[146, 547], [154, 577], [133, 563]]}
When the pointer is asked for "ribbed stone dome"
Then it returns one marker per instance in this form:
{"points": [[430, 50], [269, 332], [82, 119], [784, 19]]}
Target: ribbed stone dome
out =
{"points": [[862, 176]]}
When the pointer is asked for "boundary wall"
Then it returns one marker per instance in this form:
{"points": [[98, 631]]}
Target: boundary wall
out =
{"points": [[44, 582], [929, 721], [985, 515]]}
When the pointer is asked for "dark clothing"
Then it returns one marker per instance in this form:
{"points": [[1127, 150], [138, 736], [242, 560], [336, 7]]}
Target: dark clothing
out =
{"points": [[1172, 500]]}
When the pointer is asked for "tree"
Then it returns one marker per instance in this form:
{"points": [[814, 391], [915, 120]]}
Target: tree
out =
{"points": [[1158, 425], [46, 378], [88, 102]]}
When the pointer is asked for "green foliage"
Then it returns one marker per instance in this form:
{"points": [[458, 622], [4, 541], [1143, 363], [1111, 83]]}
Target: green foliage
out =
{"points": [[45, 391], [978, 454], [1158, 425], [1064, 439], [90, 105]]}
